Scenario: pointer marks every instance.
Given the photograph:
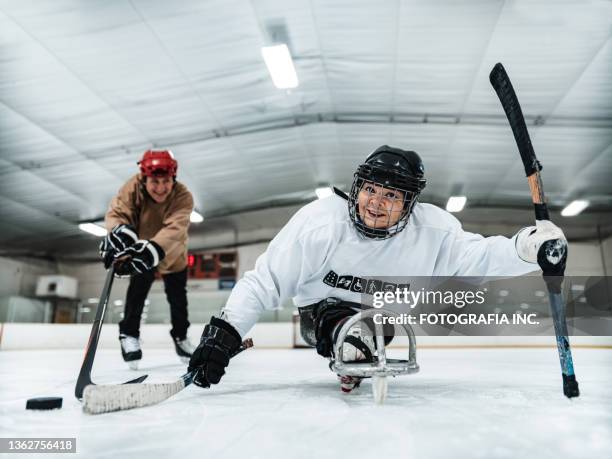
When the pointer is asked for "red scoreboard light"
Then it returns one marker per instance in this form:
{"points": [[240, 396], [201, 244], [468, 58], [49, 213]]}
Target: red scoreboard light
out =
{"points": [[212, 265], [191, 263]]}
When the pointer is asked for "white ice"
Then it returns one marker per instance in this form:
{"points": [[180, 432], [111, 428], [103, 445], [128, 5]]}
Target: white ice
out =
{"points": [[476, 403]]}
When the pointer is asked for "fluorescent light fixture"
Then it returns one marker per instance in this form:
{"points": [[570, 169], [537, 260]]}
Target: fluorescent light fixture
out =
{"points": [[456, 203], [92, 228], [574, 208], [280, 65], [324, 192], [195, 217]]}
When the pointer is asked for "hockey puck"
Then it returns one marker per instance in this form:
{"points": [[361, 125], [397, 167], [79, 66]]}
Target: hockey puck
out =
{"points": [[44, 403]]}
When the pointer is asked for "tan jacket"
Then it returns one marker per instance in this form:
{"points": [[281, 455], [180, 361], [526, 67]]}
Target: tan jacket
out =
{"points": [[166, 223]]}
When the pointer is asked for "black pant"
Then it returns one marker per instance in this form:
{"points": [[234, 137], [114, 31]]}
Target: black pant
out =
{"points": [[175, 286]]}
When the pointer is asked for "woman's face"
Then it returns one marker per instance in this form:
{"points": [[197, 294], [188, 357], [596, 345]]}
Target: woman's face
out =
{"points": [[380, 207]]}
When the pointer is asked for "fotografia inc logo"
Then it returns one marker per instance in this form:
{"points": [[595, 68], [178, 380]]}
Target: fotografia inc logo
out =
{"points": [[412, 298]]}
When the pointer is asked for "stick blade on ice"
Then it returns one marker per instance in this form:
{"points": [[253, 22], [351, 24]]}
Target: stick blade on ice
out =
{"points": [[99, 399]]}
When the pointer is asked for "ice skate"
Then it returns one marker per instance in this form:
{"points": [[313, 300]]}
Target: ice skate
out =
{"points": [[130, 350], [349, 383], [183, 348], [357, 347]]}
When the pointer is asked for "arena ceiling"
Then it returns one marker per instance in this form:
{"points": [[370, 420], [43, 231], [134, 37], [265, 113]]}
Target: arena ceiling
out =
{"points": [[86, 87]]}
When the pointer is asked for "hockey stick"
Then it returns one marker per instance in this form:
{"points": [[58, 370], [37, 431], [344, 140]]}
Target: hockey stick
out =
{"points": [[118, 397], [552, 256], [84, 378]]}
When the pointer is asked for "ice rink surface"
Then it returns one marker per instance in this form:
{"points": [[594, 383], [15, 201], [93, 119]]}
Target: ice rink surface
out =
{"points": [[476, 403]]}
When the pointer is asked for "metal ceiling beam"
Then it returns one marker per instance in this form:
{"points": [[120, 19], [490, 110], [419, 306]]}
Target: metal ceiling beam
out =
{"points": [[359, 118], [386, 118]]}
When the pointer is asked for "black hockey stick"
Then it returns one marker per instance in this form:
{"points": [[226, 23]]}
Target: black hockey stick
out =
{"points": [[113, 397], [84, 378], [552, 256]]}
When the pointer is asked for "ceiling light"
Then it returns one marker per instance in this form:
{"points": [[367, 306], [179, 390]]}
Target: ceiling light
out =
{"points": [[195, 217], [574, 208], [324, 192], [280, 65], [456, 203], [94, 229]]}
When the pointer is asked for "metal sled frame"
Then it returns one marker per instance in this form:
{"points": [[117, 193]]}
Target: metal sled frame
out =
{"points": [[381, 366]]}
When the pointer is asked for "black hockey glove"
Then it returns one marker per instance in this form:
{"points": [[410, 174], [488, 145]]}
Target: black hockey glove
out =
{"points": [[119, 239], [139, 258], [218, 344]]}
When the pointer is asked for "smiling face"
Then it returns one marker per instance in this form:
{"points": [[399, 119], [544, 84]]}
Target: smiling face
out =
{"points": [[380, 207], [159, 188]]}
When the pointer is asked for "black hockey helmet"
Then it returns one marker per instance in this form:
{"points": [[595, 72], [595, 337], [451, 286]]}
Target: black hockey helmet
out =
{"points": [[391, 168]]}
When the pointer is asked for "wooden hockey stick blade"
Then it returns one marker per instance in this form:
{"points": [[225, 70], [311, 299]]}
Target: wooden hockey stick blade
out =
{"points": [[113, 397], [88, 382], [98, 399]]}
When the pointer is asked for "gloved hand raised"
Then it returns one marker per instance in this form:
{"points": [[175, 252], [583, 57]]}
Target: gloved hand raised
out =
{"points": [[118, 239], [141, 257], [529, 241], [219, 342]]}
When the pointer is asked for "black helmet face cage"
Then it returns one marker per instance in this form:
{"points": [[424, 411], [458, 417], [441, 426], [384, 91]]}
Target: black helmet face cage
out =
{"points": [[389, 229]]}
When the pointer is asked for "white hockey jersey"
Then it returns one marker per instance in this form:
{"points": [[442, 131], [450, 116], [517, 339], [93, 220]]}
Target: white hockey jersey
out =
{"points": [[320, 254]]}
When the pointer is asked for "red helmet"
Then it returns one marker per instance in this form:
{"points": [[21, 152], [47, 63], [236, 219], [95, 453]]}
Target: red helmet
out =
{"points": [[158, 163]]}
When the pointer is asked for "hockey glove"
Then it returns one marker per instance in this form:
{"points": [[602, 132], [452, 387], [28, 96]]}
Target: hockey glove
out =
{"points": [[529, 240], [139, 258], [119, 239], [218, 343]]}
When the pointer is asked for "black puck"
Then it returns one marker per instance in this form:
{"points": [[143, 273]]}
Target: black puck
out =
{"points": [[44, 403]]}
